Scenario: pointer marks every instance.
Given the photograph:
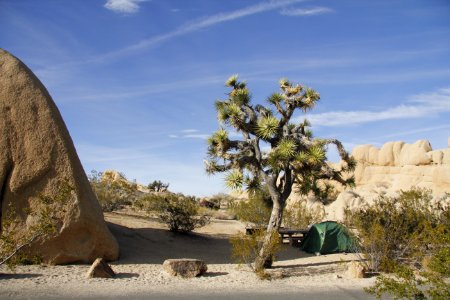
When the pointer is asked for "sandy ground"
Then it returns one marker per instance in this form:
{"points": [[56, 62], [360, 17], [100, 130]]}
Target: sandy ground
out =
{"points": [[145, 244]]}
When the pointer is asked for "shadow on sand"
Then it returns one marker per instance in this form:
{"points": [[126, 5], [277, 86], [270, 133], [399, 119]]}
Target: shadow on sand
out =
{"points": [[4, 276], [153, 246]]}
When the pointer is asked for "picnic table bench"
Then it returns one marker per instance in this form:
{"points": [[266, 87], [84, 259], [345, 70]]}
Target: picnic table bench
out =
{"points": [[295, 236]]}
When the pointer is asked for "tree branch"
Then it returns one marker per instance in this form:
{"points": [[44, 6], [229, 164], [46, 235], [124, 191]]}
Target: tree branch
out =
{"points": [[20, 247]]}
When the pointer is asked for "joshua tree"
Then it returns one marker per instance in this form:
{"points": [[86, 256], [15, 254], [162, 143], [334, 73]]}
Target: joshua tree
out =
{"points": [[294, 156], [158, 186]]}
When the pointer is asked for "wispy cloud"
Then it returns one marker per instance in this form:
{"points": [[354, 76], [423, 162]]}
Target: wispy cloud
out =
{"points": [[189, 130], [202, 136], [419, 105], [199, 24], [123, 6], [190, 134], [297, 12]]}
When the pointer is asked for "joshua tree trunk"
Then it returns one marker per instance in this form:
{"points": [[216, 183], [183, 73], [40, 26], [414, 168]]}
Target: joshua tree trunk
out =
{"points": [[264, 259]]}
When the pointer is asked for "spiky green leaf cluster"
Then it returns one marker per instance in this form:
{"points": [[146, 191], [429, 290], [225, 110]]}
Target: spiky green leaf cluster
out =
{"points": [[267, 127], [240, 96], [234, 180], [232, 80], [286, 149]]}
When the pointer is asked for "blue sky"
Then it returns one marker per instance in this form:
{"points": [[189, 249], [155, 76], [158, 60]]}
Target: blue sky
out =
{"points": [[136, 80]]}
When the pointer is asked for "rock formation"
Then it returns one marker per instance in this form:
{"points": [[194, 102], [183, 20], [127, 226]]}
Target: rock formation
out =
{"points": [[386, 170], [36, 156], [398, 165], [395, 166]]}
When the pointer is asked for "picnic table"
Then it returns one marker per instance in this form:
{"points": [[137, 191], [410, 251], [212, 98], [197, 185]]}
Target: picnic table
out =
{"points": [[295, 236]]}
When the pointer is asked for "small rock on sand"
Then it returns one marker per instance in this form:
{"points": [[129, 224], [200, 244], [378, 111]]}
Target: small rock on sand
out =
{"points": [[100, 269], [185, 267]]}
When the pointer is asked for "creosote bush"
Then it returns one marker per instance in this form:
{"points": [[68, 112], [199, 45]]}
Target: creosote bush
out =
{"points": [[179, 212], [300, 216], [408, 236], [113, 194], [47, 220], [245, 249], [256, 210]]}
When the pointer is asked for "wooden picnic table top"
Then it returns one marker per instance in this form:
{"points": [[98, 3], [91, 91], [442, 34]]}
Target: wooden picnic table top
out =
{"points": [[292, 231]]}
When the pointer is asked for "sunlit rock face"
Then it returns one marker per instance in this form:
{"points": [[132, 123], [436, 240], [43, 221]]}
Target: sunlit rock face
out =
{"points": [[37, 156], [393, 167]]}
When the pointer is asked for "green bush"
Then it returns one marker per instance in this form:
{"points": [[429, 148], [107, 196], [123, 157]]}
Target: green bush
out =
{"points": [[47, 220], [409, 236], [113, 194], [245, 249], [149, 202], [255, 210], [300, 216], [178, 212]]}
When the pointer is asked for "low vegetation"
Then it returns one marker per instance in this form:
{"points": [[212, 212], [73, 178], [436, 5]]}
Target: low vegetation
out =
{"points": [[300, 216], [179, 212], [255, 211], [113, 194], [14, 241], [158, 186], [408, 237], [245, 248]]}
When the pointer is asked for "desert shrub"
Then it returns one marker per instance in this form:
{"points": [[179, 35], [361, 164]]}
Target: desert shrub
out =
{"points": [[408, 235], [222, 199], [209, 204], [158, 186], [255, 210], [299, 215], [408, 283], [149, 202], [245, 249], [396, 228], [178, 212], [46, 221], [113, 194]]}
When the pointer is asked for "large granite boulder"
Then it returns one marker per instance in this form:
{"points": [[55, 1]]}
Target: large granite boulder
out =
{"points": [[36, 156]]}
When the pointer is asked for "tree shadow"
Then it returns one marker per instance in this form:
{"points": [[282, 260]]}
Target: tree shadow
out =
{"points": [[215, 274], [127, 275], [5, 276], [317, 264]]}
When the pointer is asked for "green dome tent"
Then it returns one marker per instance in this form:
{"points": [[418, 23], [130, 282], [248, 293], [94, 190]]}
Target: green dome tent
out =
{"points": [[328, 237]]}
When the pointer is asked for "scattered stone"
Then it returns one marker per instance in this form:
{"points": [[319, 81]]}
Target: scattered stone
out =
{"points": [[356, 270], [337, 276], [185, 267], [100, 269], [37, 157]]}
